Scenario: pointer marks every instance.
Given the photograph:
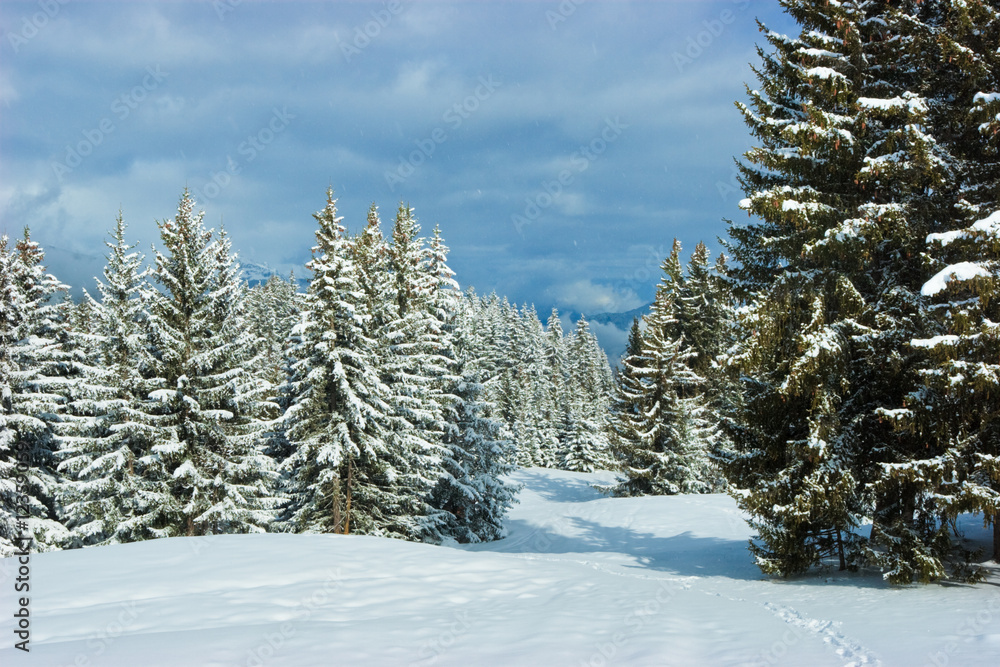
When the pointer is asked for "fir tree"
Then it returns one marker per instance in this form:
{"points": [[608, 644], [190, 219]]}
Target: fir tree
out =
{"points": [[846, 184], [353, 468], [206, 411], [107, 494], [657, 415], [955, 410], [585, 448], [471, 496], [10, 317], [34, 368]]}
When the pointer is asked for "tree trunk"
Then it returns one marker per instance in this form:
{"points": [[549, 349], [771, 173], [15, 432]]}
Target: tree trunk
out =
{"points": [[338, 519], [996, 537], [347, 511], [840, 551], [909, 506]]}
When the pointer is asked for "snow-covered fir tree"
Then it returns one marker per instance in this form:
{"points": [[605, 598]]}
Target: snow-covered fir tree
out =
{"points": [[471, 496], [107, 493], [272, 311], [586, 444], [955, 410], [659, 421], [625, 409], [352, 468], [416, 364], [34, 370], [11, 315], [208, 405], [536, 419], [848, 181]]}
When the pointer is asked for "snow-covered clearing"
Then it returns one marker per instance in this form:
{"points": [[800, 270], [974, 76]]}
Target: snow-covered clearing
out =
{"points": [[581, 580]]}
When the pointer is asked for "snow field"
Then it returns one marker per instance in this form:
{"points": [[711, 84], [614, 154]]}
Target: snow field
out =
{"points": [[580, 580]]}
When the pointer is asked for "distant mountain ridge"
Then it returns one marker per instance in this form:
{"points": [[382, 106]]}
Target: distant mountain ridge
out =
{"points": [[258, 273], [621, 320]]}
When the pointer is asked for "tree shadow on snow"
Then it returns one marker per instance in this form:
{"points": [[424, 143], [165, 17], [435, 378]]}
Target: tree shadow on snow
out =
{"points": [[683, 554], [559, 490]]}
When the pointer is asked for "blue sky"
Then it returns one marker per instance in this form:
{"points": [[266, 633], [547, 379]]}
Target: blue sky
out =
{"points": [[561, 146]]}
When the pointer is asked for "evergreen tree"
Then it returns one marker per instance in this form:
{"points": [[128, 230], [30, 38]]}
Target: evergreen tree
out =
{"points": [[272, 311], [847, 183], [558, 418], [354, 467], [471, 496], [107, 494], [207, 407], [625, 408], [536, 403], [10, 317], [585, 448], [34, 368], [955, 410], [657, 415], [417, 366]]}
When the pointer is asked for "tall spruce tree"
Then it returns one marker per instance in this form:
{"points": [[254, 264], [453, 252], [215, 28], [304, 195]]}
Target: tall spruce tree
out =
{"points": [[955, 411], [11, 489], [37, 365], [658, 415], [471, 496], [207, 405], [847, 183], [585, 448], [108, 492], [356, 466]]}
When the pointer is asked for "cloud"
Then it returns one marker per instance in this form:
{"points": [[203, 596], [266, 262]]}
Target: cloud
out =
{"points": [[612, 339], [595, 247], [585, 296]]}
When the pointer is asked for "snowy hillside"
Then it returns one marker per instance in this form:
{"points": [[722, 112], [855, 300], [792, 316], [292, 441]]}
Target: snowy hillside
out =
{"points": [[581, 580]]}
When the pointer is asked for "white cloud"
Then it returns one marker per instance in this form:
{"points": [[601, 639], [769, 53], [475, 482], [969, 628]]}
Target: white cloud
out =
{"points": [[587, 297], [612, 339]]}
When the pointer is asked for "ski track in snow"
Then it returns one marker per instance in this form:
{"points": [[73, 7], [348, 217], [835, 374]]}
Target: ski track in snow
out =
{"points": [[854, 653], [845, 647]]}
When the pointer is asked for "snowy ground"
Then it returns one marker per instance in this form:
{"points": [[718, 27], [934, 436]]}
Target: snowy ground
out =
{"points": [[582, 580]]}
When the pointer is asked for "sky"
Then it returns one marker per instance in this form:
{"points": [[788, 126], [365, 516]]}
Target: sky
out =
{"points": [[560, 146]]}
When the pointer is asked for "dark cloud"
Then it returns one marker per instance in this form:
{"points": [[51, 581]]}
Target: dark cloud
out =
{"points": [[479, 114]]}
